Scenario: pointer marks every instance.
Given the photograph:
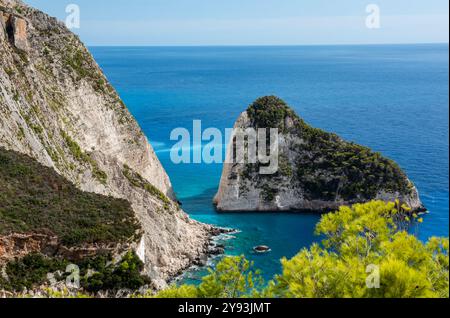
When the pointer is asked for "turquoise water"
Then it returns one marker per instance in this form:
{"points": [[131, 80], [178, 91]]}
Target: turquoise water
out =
{"points": [[393, 99]]}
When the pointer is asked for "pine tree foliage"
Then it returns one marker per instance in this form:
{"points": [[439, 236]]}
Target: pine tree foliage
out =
{"points": [[367, 251]]}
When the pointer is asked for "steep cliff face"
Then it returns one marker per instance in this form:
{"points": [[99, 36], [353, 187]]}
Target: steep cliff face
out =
{"points": [[316, 170], [57, 107]]}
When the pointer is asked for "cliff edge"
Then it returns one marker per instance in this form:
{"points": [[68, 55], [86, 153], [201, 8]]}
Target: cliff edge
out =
{"points": [[57, 107]]}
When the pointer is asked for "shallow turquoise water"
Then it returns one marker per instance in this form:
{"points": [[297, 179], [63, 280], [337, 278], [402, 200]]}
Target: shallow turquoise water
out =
{"points": [[393, 99]]}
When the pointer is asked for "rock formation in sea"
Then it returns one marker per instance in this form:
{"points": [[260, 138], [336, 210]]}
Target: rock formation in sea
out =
{"points": [[317, 170], [57, 107]]}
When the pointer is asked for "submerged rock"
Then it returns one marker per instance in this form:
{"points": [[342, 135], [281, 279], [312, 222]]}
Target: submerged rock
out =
{"points": [[317, 170]]}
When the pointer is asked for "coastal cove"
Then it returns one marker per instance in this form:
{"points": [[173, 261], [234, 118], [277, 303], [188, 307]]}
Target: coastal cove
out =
{"points": [[348, 90]]}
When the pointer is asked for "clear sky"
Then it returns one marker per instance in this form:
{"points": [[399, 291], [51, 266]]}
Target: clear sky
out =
{"points": [[253, 22]]}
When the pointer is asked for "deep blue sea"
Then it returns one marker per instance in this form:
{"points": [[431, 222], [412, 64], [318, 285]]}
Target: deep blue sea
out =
{"points": [[393, 98]]}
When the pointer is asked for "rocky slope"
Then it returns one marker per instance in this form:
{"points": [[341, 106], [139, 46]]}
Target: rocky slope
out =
{"points": [[42, 212], [317, 170], [57, 107]]}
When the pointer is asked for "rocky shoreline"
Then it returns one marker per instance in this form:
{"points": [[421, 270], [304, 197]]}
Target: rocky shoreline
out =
{"points": [[211, 249]]}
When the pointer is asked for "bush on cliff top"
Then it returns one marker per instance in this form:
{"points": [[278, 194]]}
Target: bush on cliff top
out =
{"points": [[269, 112], [30, 271], [34, 198]]}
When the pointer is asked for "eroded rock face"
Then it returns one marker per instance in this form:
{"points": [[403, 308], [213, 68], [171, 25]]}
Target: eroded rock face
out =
{"points": [[317, 171], [19, 27], [18, 245], [2, 28], [12, 25], [57, 107]]}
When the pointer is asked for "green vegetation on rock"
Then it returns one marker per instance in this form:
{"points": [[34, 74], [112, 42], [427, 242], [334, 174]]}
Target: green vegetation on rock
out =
{"points": [[99, 273], [76, 61], [326, 166], [233, 277], [84, 158], [34, 198], [139, 182], [80, 62], [108, 276], [268, 193], [269, 112]]}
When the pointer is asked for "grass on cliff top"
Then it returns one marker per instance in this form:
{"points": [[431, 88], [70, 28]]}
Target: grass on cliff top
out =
{"points": [[34, 198], [327, 166]]}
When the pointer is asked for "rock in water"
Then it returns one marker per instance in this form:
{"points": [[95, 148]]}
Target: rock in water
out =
{"points": [[262, 249], [57, 107], [317, 170]]}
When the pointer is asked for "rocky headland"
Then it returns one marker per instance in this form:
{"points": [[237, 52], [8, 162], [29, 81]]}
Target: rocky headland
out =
{"points": [[317, 170]]}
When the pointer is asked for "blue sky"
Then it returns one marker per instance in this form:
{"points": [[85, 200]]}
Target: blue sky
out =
{"points": [[253, 22]]}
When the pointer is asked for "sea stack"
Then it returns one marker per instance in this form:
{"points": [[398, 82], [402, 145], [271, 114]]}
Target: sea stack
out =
{"points": [[317, 170]]}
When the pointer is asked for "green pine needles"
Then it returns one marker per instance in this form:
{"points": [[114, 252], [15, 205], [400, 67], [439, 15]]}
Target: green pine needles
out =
{"points": [[366, 253]]}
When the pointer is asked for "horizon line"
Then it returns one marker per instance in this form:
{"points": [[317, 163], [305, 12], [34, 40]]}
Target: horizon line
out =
{"points": [[263, 45]]}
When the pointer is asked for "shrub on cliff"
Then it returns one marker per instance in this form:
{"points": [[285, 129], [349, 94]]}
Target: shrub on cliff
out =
{"points": [[233, 277], [112, 277], [366, 252], [34, 198], [30, 271], [97, 273]]}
